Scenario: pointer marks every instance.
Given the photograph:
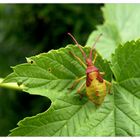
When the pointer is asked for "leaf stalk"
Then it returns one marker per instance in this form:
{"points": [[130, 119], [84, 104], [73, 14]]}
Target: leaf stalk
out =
{"points": [[13, 85]]}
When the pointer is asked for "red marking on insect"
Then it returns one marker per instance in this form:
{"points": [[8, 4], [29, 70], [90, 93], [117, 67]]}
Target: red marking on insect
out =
{"points": [[97, 93]]}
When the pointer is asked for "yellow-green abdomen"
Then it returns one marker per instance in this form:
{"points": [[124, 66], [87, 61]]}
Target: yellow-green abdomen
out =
{"points": [[96, 91]]}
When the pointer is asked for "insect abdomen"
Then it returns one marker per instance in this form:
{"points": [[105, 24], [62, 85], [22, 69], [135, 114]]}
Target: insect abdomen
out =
{"points": [[96, 91]]}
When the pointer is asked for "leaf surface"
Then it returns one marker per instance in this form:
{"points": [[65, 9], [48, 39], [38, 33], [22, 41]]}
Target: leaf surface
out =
{"points": [[70, 116], [125, 66], [52, 74]]}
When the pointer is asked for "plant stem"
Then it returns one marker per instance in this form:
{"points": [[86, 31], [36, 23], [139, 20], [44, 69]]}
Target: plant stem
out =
{"points": [[9, 85]]}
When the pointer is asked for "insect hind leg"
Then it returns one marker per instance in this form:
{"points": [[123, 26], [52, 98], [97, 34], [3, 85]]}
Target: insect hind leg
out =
{"points": [[109, 86]]}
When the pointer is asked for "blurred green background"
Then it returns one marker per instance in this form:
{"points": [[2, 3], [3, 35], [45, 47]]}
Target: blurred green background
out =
{"points": [[29, 29]]}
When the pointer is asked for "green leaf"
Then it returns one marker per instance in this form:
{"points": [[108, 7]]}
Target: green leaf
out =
{"points": [[119, 115], [126, 61], [69, 116], [52, 74], [121, 25], [125, 66]]}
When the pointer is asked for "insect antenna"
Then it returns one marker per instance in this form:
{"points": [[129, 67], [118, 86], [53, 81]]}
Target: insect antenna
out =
{"points": [[83, 53], [97, 39]]}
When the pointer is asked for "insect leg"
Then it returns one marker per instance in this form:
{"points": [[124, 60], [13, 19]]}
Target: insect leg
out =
{"points": [[109, 86], [102, 73], [80, 88], [77, 81], [76, 57]]}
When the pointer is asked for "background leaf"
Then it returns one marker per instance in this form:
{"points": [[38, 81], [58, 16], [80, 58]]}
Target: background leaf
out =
{"points": [[126, 61], [121, 25]]}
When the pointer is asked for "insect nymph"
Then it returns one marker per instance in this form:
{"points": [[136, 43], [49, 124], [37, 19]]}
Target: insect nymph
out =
{"points": [[96, 86]]}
